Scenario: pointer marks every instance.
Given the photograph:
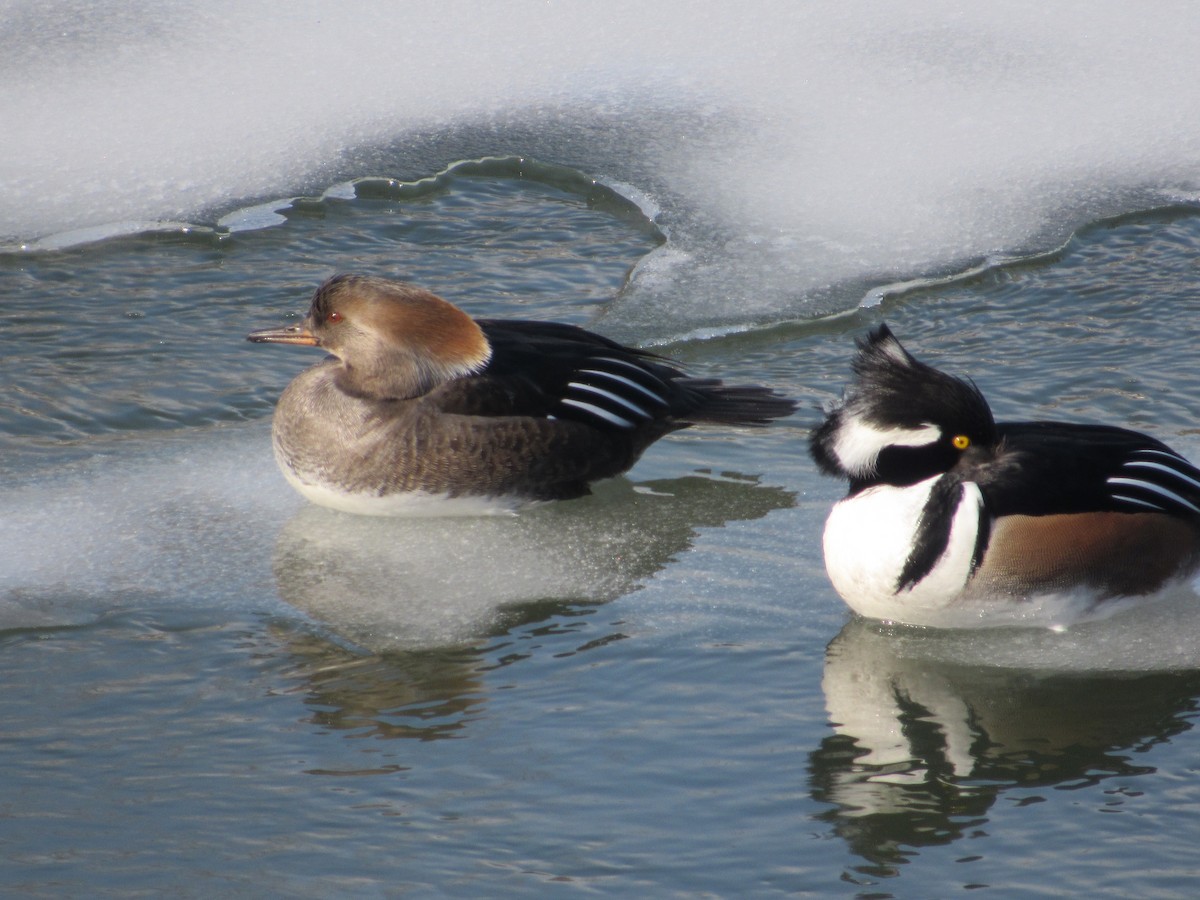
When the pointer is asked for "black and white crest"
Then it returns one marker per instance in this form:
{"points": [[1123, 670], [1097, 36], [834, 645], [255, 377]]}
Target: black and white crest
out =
{"points": [[898, 402]]}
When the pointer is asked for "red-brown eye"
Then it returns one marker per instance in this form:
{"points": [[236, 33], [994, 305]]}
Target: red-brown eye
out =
{"points": [[334, 317]]}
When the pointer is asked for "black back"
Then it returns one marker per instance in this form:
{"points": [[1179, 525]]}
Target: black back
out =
{"points": [[1057, 467], [554, 370]]}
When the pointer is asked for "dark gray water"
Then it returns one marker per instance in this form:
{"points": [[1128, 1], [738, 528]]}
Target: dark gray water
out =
{"points": [[212, 688]]}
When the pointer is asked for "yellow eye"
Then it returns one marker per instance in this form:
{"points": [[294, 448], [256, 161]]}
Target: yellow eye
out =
{"points": [[961, 442]]}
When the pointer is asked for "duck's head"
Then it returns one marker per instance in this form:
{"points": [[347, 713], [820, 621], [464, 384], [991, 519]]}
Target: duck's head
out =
{"points": [[394, 340], [901, 421]]}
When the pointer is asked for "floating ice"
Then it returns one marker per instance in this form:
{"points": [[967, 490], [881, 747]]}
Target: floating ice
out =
{"points": [[798, 155]]}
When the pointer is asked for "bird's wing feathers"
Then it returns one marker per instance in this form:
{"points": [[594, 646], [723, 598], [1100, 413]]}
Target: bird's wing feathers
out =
{"points": [[1066, 468], [1159, 480], [552, 370]]}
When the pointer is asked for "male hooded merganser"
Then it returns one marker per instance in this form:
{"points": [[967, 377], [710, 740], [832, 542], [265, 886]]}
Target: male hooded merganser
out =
{"points": [[954, 519], [420, 402]]}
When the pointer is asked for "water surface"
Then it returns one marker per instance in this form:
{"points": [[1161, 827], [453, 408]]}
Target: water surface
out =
{"points": [[215, 687]]}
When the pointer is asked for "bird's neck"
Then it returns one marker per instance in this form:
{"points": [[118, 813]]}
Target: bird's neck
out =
{"points": [[397, 375]]}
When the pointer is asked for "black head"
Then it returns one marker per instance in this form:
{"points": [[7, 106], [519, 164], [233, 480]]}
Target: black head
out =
{"points": [[901, 420]]}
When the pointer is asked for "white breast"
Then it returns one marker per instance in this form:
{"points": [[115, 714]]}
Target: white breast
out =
{"points": [[868, 538]]}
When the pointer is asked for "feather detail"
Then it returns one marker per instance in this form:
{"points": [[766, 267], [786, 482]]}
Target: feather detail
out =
{"points": [[419, 399]]}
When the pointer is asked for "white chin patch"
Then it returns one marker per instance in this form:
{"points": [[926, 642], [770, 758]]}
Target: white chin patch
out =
{"points": [[858, 444]]}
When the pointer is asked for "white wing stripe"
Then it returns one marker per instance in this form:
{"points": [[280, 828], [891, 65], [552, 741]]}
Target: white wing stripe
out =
{"points": [[599, 413], [1155, 489], [1164, 453], [624, 363], [1137, 502], [621, 379], [608, 395], [1159, 467]]}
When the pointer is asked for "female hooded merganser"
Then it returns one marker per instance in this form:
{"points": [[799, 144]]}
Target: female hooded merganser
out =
{"points": [[954, 519], [420, 402]]}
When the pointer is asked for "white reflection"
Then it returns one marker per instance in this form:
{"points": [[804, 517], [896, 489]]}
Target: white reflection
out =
{"points": [[930, 727], [390, 584]]}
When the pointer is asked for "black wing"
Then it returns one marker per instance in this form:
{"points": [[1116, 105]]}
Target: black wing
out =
{"points": [[557, 371], [1044, 468], [549, 369]]}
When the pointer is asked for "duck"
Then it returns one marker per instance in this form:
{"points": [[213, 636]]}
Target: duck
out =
{"points": [[421, 409], [955, 520]]}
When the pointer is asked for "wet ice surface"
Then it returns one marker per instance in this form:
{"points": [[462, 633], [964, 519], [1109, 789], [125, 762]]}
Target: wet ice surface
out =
{"points": [[799, 156]]}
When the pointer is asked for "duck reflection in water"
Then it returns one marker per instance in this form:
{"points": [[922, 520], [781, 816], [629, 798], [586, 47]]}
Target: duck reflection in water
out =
{"points": [[425, 695], [390, 584], [415, 612], [926, 739]]}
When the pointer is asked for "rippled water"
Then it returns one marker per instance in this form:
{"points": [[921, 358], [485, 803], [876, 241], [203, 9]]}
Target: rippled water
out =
{"points": [[212, 687]]}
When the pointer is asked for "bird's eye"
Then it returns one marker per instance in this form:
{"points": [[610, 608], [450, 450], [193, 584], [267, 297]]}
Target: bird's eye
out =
{"points": [[334, 317], [960, 442]]}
